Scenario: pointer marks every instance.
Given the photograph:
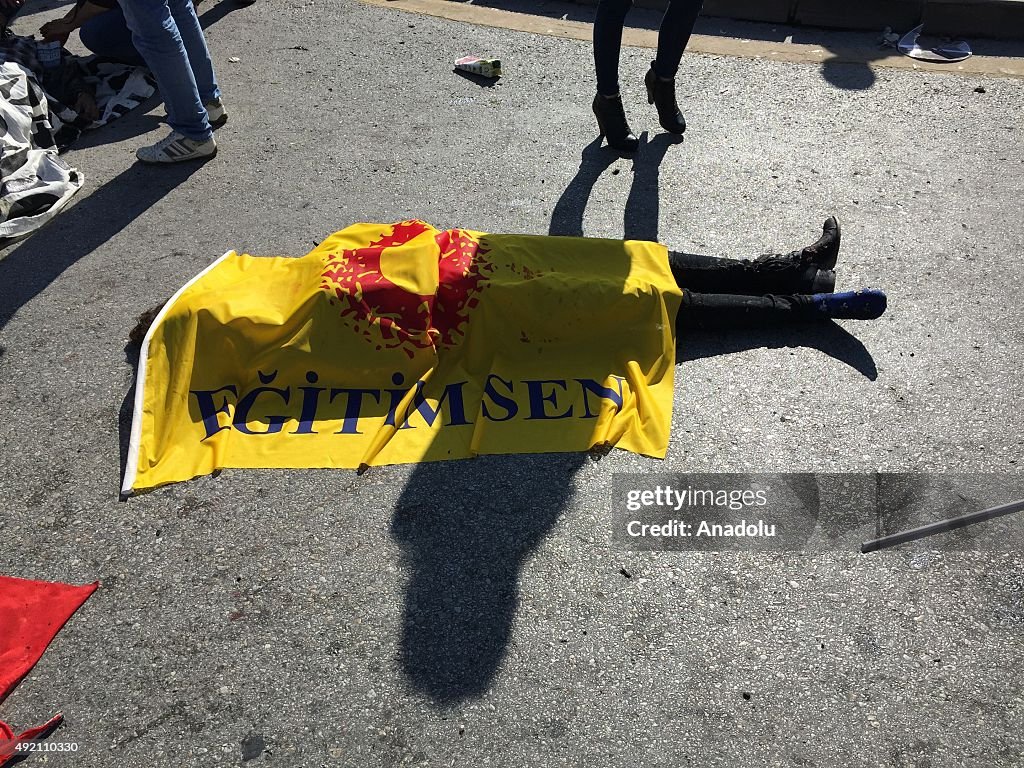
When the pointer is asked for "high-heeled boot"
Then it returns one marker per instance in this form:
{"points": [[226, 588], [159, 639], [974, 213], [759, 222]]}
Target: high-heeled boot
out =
{"points": [[611, 119], [662, 94]]}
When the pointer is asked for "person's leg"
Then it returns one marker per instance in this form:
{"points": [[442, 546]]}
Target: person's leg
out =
{"points": [[676, 26], [608, 109], [711, 310], [768, 274], [611, 15], [719, 310], [107, 35], [808, 270], [192, 38], [157, 39], [674, 34]]}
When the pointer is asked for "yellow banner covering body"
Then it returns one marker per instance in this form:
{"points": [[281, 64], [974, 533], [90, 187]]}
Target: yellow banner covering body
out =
{"points": [[396, 343]]}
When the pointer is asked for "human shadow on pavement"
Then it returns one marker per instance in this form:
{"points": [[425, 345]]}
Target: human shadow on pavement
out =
{"points": [[641, 214], [34, 263], [215, 11], [567, 216], [826, 337], [37, 7], [467, 530], [640, 220], [849, 72]]}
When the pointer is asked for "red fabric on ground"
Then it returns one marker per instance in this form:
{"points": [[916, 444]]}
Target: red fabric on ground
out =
{"points": [[31, 614], [9, 740]]}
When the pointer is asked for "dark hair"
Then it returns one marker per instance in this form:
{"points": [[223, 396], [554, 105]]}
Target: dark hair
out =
{"points": [[138, 333]]}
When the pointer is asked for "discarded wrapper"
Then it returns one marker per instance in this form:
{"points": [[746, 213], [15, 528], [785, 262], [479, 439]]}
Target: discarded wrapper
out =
{"points": [[951, 51], [478, 66]]}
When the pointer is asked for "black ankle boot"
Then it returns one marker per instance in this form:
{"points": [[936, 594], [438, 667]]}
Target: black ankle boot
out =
{"points": [[824, 253], [611, 119], [662, 94]]}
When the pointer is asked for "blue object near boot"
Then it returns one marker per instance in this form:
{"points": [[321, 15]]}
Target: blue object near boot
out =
{"points": [[865, 304]]}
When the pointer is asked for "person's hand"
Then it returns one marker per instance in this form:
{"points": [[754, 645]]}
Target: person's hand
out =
{"points": [[86, 107], [58, 29]]}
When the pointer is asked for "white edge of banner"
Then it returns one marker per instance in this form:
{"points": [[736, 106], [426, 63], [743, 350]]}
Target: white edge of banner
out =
{"points": [[132, 464]]}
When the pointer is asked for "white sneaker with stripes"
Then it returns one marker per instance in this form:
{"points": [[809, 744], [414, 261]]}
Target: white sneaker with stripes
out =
{"points": [[216, 113], [177, 149]]}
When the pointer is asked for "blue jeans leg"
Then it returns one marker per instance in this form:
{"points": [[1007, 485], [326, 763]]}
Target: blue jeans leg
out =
{"points": [[158, 39], [107, 35], [192, 37]]}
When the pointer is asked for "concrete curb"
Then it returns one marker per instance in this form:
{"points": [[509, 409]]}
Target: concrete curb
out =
{"points": [[999, 19], [975, 66]]}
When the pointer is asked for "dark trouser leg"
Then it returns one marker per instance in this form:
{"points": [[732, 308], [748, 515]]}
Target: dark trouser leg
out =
{"points": [[107, 35], [7, 15], [767, 274], [718, 310], [676, 27], [611, 15]]}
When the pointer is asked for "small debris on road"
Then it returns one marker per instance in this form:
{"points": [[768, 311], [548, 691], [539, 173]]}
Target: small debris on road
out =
{"points": [[477, 66], [253, 746], [948, 51]]}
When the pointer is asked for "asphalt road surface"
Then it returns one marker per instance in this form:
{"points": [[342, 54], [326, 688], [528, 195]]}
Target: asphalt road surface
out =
{"points": [[479, 612]]}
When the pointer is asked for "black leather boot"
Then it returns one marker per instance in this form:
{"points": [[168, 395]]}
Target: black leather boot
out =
{"points": [[824, 253], [611, 119], [813, 266], [662, 94]]}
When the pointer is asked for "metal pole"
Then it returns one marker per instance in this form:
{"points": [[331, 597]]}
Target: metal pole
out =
{"points": [[942, 526]]}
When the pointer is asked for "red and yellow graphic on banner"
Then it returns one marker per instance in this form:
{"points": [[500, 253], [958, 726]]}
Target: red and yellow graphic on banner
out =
{"points": [[401, 343]]}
